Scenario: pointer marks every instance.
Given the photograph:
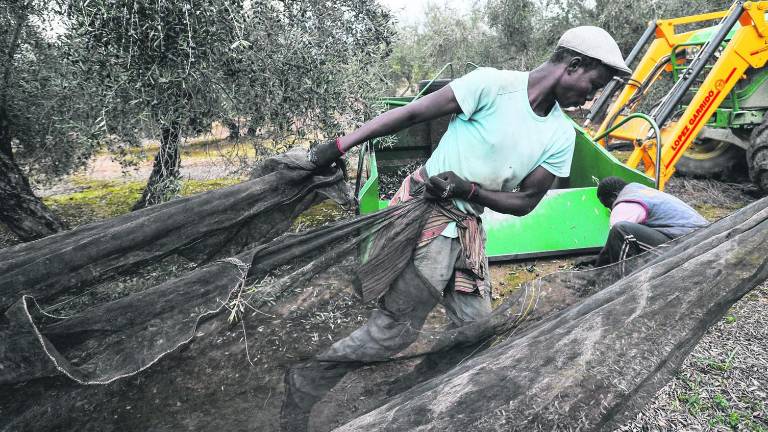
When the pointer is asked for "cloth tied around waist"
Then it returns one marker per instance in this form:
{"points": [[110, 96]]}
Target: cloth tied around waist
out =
{"points": [[471, 270]]}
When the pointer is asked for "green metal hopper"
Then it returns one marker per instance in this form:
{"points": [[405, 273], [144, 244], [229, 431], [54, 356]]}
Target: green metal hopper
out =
{"points": [[569, 219]]}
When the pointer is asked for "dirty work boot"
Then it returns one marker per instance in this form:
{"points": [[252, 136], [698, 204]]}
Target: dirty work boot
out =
{"points": [[305, 384]]}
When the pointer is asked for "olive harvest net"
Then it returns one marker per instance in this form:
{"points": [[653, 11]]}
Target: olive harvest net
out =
{"points": [[229, 300]]}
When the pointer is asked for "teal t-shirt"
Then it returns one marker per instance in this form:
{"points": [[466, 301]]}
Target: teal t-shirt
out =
{"points": [[498, 140]]}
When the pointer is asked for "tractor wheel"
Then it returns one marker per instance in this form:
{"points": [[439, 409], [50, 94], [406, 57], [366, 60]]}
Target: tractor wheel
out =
{"points": [[757, 156], [712, 159]]}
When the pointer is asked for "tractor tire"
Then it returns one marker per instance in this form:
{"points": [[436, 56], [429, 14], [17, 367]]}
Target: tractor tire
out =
{"points": [[757, 157], [713, 159], [436, 85]]}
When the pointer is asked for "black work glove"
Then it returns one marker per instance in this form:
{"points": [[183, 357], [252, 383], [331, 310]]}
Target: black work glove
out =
{"points": [[448, 185], [324, 154]]}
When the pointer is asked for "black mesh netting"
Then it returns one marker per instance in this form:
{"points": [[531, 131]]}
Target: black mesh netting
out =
{"points": [[219, 302]]}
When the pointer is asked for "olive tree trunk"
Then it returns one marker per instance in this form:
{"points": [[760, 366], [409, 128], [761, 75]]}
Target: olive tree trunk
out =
{"points": [[163, 184], [21, 211]]}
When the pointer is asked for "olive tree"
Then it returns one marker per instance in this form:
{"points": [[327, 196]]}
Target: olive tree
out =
{"points": [[308, 70], [444, 36], [45, 129], [154, 67], [166, 68], [532, 27]]}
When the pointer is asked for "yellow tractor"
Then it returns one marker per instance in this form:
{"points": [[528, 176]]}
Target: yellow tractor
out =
{"points": [[712, 120]]}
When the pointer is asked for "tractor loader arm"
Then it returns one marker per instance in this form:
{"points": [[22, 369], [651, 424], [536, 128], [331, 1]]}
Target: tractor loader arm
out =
{"points": [[739, 43]]}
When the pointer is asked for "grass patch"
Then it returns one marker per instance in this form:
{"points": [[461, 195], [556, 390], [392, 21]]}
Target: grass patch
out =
{"points": [[514, 280], [692, 401], [318, 215], [514, 276], [699, 398], [192, 187], [102, 199], [713, 212], [721, 402], [716, 364], [95, 200]]}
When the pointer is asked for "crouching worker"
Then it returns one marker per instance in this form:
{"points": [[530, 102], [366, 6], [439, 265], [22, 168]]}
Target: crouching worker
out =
{"points": [[506, 144], [642, 218]]}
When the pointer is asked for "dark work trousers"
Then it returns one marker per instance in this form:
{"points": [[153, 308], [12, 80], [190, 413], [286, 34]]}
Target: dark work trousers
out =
{"points": [[628, 239]]}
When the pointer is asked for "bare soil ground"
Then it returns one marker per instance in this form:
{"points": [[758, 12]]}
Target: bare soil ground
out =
{"points": [[722, 386]]}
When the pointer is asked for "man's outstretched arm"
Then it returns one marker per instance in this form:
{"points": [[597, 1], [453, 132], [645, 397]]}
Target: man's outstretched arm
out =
{"points": [[429, 107]]}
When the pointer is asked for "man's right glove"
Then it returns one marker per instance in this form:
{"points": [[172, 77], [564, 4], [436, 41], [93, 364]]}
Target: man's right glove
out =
{"points": [[324, 154]]}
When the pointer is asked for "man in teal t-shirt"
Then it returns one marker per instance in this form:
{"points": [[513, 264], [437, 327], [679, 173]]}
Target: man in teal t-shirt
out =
{"points": [[508, 141], [483, 142]]}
